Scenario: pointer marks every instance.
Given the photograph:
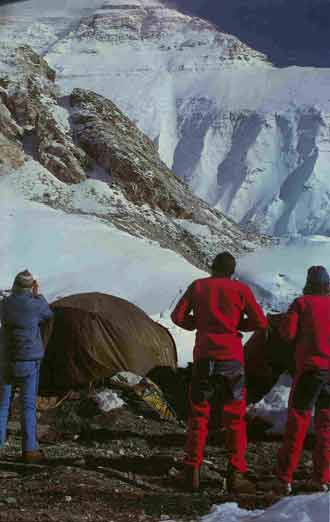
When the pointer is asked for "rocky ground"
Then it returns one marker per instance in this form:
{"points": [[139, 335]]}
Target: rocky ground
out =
{"points": [[123, 471]]}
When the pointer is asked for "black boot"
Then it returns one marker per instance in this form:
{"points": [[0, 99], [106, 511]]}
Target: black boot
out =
{"points": [[191, 478], [313, 485], [33, 457], [238, 483]]}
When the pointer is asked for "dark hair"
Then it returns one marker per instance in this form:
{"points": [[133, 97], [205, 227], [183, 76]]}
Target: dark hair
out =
{"points": [[317, 282], [224, 264], [316, 289]]}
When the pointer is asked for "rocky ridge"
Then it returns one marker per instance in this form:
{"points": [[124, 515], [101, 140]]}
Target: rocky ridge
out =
{"points": [[66, 142]]}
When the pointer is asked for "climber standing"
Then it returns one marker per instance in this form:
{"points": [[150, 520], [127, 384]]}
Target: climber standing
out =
{"points": [[21, 315], [307, 325], [217, 307]]}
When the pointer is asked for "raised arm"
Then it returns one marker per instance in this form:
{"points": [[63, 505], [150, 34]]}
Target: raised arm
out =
{"points": [[256, 319], [181, 314], [44, 309]]}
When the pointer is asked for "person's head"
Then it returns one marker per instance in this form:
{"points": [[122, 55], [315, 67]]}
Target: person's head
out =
{"points": [[317, 282], [23, 282], [223, 265]]}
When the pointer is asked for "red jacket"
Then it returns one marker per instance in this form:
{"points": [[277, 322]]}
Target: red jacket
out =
{"points": [[308, 323], [216, 306]]}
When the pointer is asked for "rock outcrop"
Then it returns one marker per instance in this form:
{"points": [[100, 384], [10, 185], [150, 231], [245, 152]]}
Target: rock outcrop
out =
{"points": [[68, 140], [30, 98], [164, 208], [11, 148]]}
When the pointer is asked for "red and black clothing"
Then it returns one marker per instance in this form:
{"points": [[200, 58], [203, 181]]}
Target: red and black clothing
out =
{"points": [[307, 324], [216, 307]]}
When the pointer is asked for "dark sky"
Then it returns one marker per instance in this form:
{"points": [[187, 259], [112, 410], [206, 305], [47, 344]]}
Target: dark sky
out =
{"points": [[290, 32]]}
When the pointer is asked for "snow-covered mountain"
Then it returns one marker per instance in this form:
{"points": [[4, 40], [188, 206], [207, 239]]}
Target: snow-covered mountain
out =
{"points": [[81, 154], [250, 139]]}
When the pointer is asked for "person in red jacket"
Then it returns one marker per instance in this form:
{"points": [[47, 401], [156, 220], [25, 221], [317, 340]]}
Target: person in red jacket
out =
{"points": [[307, 324], [218, 307]]}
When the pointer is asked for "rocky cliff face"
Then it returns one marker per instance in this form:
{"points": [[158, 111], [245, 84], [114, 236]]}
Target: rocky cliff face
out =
{"points": [[29, 99], [11, 149], [64, 141]]}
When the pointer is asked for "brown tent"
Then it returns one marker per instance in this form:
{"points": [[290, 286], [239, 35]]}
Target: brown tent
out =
{"points": [[267, 356], [93, 336]]}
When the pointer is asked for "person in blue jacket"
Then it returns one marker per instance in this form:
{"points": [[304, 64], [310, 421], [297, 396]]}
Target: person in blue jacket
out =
{"points": [[21, 315]]}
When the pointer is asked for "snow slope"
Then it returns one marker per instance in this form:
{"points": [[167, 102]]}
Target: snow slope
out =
{"points": [[65, 260]]}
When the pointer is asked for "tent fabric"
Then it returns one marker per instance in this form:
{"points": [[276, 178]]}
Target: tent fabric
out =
{"points": [[93, 336], [267, 356]]}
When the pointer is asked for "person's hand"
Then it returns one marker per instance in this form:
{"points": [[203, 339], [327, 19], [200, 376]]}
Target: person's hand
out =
{"points": [[35, 288]]}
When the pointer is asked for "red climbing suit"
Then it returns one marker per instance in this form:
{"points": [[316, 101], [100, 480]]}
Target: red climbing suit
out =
{"points": [[216, 307], [308, 324]]}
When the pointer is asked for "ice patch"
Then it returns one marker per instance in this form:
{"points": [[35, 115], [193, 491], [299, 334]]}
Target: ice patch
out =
{"points": [[306, 508], [108, 400]]}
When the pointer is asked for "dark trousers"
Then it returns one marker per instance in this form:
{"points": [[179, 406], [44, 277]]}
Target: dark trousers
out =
{"points": [[214, 384], [309, 390]]}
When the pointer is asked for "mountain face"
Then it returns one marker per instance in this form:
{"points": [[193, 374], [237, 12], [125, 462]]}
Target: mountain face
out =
{"points": [[250, 139], [81, 154]]}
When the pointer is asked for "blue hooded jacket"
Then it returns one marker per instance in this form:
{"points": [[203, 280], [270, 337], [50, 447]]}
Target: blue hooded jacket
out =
{"points": [[21, 316]]}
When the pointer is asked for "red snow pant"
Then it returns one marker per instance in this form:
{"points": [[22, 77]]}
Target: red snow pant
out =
{"points": [[214, 384], [309, 390]]}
